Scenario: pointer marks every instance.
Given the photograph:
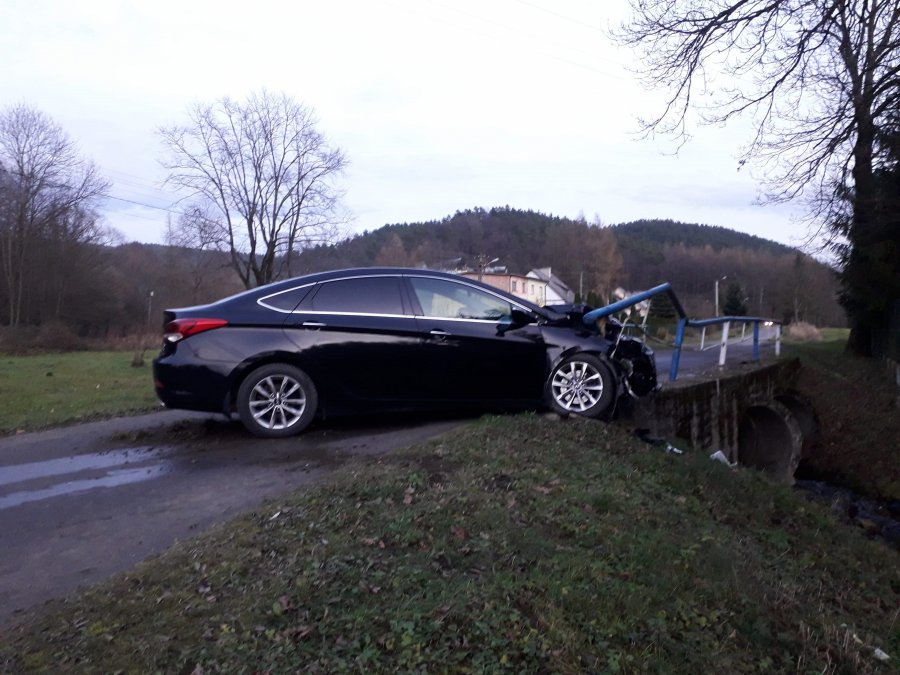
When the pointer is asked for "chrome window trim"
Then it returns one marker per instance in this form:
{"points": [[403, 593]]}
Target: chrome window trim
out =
{"points": [[261, 301], [461, 281], [420, 317], [493, 322], [360, 276], [321, 312]]}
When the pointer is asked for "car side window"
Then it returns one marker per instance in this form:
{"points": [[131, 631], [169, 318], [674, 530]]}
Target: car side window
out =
{"points": [[285, 301], [445, 299], [364, 295]]}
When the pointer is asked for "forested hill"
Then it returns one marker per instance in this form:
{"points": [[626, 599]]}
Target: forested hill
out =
{"points": [[521, 239], [128, 285], [518, 238], [775, 279], [658, 233]]}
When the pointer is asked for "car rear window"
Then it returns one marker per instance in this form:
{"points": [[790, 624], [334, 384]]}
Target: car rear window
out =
{"points": [[364, 295]]}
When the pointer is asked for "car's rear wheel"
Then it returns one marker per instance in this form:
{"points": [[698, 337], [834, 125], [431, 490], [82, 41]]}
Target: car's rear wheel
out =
{"points": [[581, 385], [276, 401]]}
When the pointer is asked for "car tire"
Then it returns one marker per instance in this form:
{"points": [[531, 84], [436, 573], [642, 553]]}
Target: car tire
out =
{"points": [[276, 401], [581, 385]]}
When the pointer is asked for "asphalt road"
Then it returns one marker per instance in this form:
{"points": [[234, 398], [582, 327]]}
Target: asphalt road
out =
{"points": [[81, 503], [695, 363]]}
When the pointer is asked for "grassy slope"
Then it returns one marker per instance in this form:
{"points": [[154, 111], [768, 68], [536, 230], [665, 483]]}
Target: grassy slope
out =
{"points": [[857, 405], [521, 544], [52, 389]]}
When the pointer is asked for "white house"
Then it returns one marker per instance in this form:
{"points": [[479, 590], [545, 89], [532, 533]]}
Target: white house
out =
{"points": [[557, 292], [525, 287]]}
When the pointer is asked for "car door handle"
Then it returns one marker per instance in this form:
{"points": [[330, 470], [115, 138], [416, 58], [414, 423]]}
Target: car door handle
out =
{"points": [[312, 324], [438, 333]]}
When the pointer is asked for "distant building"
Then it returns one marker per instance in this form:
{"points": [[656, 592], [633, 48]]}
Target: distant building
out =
{"points": [[557, 293], [522, 286]]}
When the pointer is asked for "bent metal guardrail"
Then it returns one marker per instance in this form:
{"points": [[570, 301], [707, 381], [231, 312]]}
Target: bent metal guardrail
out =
{"points": [[684, 322]]}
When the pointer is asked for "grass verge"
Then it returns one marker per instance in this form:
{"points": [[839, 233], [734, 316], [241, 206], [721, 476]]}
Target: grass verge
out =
{"points": [[857, 404], [59, 388], [519, 544]]}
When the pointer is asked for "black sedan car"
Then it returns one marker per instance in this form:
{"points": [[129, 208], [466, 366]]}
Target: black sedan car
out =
{"points": [[380, 338]]}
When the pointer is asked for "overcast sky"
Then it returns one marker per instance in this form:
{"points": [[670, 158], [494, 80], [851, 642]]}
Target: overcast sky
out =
{"points": [[440, 105]]}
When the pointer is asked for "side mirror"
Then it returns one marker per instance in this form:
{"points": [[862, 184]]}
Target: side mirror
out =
{"points": [[522, 318], [516, 319]]}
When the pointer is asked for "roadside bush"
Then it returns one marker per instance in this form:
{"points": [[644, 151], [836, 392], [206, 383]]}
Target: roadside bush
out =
{"points": [[18, 340], [57, 337], [126, 343], [53, 336], [804, 332]]}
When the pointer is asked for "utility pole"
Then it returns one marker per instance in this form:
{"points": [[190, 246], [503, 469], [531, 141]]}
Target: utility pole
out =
{"points": [[717, 292], [482, 262]]}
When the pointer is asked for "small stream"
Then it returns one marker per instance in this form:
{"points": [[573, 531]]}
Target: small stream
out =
{"points": [[880, 519]]}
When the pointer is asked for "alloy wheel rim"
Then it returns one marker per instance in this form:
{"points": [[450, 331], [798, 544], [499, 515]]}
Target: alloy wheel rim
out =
{"points": [[577, 386], [277, 402]]}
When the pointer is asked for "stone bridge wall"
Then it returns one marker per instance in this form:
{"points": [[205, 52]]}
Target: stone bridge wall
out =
{"points": [[713, 414]]}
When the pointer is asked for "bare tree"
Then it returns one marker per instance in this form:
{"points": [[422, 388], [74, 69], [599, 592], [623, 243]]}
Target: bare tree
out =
{"points": [[393, 253], [817, 77], [199, 233], [585, 256], [47, 196], [266, 176]]}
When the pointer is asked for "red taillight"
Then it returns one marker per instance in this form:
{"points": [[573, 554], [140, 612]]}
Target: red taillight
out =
{"points": [[181, 328]]}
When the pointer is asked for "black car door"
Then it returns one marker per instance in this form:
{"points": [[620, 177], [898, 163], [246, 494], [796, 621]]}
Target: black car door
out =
{"points": [[359, 339], [472, 349]]}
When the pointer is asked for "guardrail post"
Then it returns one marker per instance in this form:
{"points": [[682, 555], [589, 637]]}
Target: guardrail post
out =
{"points": [[676, 354], [723, 349], [702, 337], [644, 322], [756, 340], [777, 339]]}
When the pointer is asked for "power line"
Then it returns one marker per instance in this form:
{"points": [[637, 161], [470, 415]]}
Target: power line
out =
{"points": [[137, 203], [104, 195], [562, 16], [539, 40]]}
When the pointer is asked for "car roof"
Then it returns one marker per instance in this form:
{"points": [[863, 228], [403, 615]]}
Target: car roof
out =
{"points": [[317, 277], [286, 284]]}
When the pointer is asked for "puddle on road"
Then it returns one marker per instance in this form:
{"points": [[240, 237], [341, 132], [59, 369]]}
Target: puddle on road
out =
{"points": [[111, 479], [19, 473], [84, 472]]}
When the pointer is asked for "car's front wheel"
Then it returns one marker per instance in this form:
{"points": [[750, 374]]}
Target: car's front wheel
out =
{"points": [[583, 385], [276, 401]]}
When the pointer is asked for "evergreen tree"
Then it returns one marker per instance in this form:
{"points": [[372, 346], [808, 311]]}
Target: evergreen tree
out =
{"points": [[735, 301], [870, 259]]}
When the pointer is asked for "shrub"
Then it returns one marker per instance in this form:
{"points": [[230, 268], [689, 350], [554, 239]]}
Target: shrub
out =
{"points": [[57, 337], [18, 339], [53, 336], [804, 332]]}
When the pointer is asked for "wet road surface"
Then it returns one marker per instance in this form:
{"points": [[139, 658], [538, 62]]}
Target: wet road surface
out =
{"points": [[81, 503], [695, 363]]}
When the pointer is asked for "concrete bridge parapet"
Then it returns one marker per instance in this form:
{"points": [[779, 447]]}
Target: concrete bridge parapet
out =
{"points": [[754, 416]]}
